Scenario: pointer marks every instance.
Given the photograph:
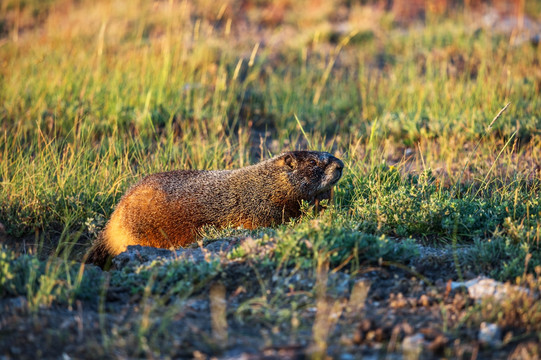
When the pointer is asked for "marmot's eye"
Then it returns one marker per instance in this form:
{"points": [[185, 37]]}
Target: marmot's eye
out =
{"points": [[313, 162]]}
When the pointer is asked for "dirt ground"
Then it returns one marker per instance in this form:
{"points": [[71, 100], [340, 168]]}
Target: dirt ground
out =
{"points": [[385, 311]]}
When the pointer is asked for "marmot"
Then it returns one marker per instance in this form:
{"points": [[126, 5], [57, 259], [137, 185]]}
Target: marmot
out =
{"points": [[167, 209]]}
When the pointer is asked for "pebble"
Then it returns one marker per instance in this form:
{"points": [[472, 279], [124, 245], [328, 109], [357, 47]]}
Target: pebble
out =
{"points": [[482, 287], [490, 334], [412, 346]]}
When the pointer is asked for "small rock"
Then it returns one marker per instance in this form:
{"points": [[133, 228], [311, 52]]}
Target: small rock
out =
{"points": [[362, 330], [218, 246], [137, 254], [338, 284], [490, 334], [19, 304], [424, 300], [412, 346], [197, 305], [398, 301], [438, 344], [482, 287]]}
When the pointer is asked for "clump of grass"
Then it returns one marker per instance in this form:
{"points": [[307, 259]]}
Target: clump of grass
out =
{"points": [[333, 234], [44, 283], [421, 206], [173, 278]]}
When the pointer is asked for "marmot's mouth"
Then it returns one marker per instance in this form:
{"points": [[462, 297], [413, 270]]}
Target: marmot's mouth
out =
{"points": [[337, 174]]}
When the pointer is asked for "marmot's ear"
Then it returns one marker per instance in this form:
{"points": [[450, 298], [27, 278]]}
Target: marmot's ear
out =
{"points": [[290, 161]]}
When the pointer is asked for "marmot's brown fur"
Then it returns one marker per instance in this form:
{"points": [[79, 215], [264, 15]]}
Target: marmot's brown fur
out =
{"points": [[167, 209]]}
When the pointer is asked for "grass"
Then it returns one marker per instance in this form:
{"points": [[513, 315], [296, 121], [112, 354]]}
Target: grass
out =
{"points": [[94, 96]]}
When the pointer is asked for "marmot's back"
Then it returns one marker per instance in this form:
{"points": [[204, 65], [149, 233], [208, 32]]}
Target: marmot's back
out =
{"points": [[167, 209]]}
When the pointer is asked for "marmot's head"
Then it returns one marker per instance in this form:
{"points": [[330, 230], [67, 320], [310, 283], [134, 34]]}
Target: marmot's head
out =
{"points": [[312, 173]]}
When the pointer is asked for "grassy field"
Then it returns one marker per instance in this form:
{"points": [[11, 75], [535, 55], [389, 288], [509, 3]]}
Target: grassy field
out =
{"points": [[436, 113]]}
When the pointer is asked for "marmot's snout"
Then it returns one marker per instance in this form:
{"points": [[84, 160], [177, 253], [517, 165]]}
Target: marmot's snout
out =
{"points": [[332, 172], [336, 167]]}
